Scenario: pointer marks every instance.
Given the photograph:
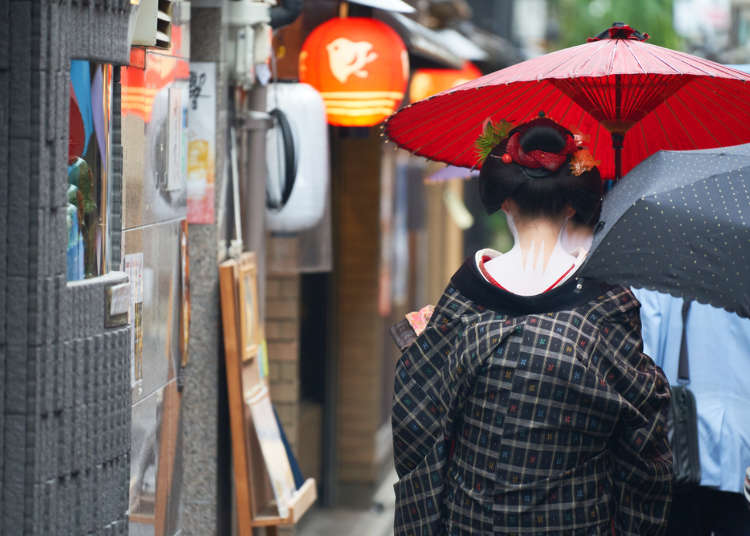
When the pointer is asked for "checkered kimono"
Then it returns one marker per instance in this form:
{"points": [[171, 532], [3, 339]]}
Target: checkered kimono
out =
{"points": [[510, 421]]}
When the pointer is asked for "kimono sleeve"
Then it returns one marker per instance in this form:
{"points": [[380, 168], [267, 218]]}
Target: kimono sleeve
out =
{"points": [[423, 394], [641, 455]]}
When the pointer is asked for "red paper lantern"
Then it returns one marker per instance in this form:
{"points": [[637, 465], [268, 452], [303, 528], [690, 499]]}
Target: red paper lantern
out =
{"points": [[428, 82], [360, 66]]}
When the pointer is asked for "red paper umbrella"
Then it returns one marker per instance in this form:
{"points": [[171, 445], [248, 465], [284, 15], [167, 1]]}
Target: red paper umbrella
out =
{"points": [[631, 97]]}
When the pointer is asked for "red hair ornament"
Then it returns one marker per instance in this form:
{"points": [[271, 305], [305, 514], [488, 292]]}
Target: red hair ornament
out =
{"points": [[537, 158], [580, 158]]}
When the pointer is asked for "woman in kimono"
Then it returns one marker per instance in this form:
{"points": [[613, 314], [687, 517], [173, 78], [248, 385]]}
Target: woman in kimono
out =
{"points": [[526, 406]]}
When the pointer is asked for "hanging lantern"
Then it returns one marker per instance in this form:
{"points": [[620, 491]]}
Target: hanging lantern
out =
{"points": [[360, 66], [428, 82]]}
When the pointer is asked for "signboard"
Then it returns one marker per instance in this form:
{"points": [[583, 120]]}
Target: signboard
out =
{"points": [[132, 265], [201, 143]]}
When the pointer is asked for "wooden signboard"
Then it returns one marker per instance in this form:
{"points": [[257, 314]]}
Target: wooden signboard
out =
{"points": [[264, 486]]}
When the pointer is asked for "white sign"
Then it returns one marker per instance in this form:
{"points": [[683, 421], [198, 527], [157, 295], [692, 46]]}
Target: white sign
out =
{"points": [[177, 137], [132, 265], [201, 143]]}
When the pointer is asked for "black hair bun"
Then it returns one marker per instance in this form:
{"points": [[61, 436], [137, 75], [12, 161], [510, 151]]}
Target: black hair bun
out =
{"points": [[543, 138], [540, 192]]}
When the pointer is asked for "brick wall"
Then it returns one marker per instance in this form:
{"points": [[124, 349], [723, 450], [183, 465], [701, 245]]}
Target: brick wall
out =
{"points": [[282, 308], [282, 337]]}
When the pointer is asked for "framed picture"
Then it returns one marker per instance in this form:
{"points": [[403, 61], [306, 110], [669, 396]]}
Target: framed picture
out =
{"points": [[248, 306], [264, 490]]}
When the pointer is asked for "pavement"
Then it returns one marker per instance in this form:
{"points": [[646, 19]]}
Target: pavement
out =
{"points": [[374, 521]]}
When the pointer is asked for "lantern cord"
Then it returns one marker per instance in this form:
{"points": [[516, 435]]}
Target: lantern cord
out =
{"points": [[343, 10]]}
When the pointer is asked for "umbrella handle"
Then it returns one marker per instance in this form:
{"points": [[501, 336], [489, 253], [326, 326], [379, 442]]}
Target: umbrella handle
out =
{"points": [[618, 138], [617, 142]]}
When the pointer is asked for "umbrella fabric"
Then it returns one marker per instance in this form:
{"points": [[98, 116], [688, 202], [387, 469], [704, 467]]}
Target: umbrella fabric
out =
{"points": [[680, 223], [659, 98]]}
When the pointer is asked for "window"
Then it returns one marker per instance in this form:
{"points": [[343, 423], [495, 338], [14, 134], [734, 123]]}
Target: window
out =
{"points": [[89, 143]]}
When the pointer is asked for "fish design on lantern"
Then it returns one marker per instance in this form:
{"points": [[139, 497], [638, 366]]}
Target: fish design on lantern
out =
{"points": [[348, 58]]}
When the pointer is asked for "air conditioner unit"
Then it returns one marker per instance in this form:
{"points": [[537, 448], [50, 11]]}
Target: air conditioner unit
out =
{"points": [[164, 24], [152, 25], [296, 158]]}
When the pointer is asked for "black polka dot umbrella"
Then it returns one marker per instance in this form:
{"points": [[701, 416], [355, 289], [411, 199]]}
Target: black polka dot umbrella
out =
{"points": [[679, 222]]}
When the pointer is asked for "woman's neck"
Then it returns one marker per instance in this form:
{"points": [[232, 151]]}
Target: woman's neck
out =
{"points": [[537, 236]]}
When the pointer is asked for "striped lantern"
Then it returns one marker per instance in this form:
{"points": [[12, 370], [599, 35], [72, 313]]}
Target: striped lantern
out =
{"points": [[428, 82], [360, 66]]}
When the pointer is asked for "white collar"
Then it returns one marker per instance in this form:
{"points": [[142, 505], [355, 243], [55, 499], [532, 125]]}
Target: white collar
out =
{"points": [[507, 270]]}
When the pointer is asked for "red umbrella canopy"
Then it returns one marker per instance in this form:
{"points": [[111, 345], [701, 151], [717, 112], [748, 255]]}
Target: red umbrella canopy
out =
{"points": [[616, 88]]}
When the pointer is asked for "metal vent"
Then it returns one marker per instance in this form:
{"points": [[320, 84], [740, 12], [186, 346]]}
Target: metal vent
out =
{"points": [[164, 24]]}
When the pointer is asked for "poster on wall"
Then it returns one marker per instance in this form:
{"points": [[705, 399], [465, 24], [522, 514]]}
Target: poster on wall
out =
{"points": [[177, 136], [132, 265], [201, 143]]}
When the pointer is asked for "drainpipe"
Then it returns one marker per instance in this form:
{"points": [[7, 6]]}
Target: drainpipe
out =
{"points": [[249, 45], [253, 123]]}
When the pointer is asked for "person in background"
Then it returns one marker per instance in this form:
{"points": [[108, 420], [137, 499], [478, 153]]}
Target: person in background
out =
{"points": [[718, 344]]}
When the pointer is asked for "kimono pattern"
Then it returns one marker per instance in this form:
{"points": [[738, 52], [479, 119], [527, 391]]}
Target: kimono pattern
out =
{"points": [[549, 423]]}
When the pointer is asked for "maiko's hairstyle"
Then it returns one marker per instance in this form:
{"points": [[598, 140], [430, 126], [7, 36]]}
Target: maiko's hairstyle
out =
{"points": [[538, 190]]}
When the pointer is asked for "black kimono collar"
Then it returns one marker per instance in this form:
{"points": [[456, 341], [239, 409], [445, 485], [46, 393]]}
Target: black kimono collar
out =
{"points": [[576, 291]]}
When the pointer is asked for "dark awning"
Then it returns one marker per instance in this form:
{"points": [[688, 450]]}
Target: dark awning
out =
{"points": [[425, 46], [389, 5]]}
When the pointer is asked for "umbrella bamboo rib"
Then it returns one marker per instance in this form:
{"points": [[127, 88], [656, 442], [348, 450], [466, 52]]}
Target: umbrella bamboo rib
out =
{"points": [[543, 67], [469, 120], [721, 111], [679, 121], [611, 62], [567, 108], [456, 104], [661, 124], [662, 61], [698, 120], [635, 57], [739, 105], [597, 131], [475, 118], [732, 74], [585, 61], [527, 96], [542, 107], [452, 106], [693, 67], [540, 87], [644, 99], [644, 137], [446, 110]]}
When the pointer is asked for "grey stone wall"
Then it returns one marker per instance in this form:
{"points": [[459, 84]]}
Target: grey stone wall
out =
{"points": [[204, 499], [65, 404]]}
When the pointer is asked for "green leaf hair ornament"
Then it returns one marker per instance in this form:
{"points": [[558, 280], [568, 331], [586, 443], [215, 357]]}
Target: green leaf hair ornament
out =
{"points": [[492, 134]]}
